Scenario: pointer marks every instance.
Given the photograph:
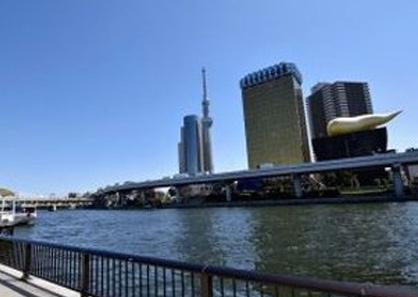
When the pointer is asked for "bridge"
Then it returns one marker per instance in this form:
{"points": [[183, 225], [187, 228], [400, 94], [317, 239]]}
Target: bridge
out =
{"points": [[50, 202], [394, 161]]}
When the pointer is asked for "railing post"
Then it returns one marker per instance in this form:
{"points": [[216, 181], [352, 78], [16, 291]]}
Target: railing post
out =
{"points": [[206, 285], [84, 274], [27, 262]]}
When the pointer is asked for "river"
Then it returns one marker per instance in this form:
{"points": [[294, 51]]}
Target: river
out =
{"points": [[354, 242]]}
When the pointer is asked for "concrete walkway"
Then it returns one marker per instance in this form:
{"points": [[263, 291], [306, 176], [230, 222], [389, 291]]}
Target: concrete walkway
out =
{"points": [[12, 286]]}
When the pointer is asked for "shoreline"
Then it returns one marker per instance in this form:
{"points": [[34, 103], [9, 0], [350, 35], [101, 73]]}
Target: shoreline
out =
{"points": [[299, 201], [280, 202]]}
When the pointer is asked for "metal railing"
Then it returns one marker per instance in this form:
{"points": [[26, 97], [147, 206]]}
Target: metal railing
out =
{"points": [[106, 274]]}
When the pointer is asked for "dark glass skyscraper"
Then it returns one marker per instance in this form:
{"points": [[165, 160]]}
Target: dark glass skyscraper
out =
{"points": [[339, 99], [342, 99], [190, 146], [275, 125]]}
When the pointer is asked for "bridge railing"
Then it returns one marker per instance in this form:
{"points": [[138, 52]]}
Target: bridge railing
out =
{"points": [[106, 274]]}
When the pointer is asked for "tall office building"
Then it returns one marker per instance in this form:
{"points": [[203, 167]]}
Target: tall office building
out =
{"points": [[195, 146], [339, 99], [274, 115], [342, 99], [190, 146]]}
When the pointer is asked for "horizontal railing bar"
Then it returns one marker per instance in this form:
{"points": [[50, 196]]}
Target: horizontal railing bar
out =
{"points": [[120, 256], [338, 287]]}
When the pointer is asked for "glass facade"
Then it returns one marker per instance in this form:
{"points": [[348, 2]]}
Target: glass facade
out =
{"points": [[274, 116], [317, 115], [339, 99], [190, 147]]}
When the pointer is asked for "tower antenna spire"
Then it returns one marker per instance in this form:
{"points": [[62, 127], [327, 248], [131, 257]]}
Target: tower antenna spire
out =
{"points": [[206, 124], [204, 83], [205, 101]]}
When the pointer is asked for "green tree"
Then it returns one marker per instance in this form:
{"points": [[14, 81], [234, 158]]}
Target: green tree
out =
{"points": [[6, 192]]}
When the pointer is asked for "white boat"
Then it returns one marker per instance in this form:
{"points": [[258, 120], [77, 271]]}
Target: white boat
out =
{"points": [[14, 218]]}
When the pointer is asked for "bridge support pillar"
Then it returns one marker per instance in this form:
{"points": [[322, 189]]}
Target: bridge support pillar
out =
{"points": [[228, 193], [297, 185], [397, 180], [118, 199], [177, 194], [142, 197]]}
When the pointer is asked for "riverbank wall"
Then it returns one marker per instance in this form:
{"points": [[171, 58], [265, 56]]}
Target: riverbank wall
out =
{"points": [[299, 201], [280, 202]]}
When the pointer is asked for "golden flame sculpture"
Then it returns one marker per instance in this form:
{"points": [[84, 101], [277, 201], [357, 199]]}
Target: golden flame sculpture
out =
{"points": [[345, 125]]}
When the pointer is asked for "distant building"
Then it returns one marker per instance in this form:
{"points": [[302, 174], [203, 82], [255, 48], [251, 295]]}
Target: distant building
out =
{"points": [[195, 146], [342, 99], [190, 146], [329, 101], [339, 99], [275, 125]]}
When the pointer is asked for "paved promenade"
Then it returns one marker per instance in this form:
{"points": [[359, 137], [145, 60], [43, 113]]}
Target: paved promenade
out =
{"points": [[11, 286]]}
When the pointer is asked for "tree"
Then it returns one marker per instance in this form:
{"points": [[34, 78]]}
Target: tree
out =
{"points": [[6, 192]]}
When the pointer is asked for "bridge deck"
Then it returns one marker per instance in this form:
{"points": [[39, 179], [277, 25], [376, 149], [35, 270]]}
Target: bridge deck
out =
{"points": [[374, 161], [12, 286]]}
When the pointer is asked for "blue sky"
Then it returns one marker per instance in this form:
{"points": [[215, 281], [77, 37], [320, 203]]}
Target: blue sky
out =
{"points": [[93, 92]]}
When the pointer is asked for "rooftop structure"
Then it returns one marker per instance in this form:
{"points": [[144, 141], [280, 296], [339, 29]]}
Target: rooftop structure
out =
{"points": [[271, 73], [346, 125]]}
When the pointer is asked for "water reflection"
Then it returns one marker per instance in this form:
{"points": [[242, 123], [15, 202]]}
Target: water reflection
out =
{"points": [[215, 237], [365, 243], [197, 239], [375, 242]]}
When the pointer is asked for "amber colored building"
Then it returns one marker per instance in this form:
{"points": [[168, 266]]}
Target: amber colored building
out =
{"points": [[275, 124]]}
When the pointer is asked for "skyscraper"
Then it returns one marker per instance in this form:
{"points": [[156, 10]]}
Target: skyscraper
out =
{"points": [[342, 99], [339, 99], [195, 146], [274, 115], [190, 146]]}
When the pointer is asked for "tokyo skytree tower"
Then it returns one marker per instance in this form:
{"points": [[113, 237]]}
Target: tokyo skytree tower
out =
{"points": [[206, 125]]}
